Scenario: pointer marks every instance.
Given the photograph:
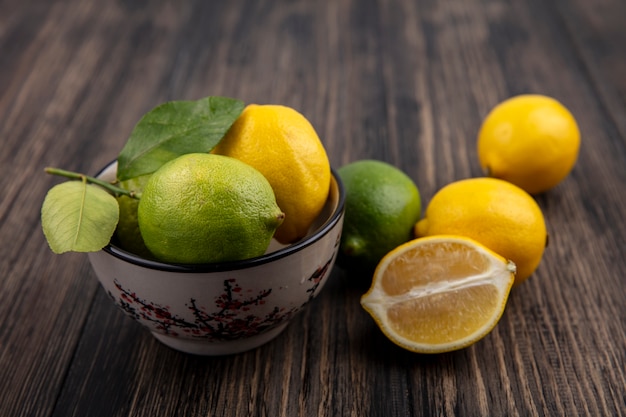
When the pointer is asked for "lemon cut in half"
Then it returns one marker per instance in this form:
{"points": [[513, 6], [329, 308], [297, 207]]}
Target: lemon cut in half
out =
{"points": [[439, 294]]}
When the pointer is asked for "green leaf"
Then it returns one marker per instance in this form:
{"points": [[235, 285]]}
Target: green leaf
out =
{"points": [[173, 129], [78, 217]]}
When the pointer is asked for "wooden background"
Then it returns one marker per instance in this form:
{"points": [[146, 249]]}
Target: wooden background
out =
{"points": [[404, 81]]}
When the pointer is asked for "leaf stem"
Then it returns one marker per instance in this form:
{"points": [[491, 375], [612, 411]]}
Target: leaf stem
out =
{"points": [[116, 191]]}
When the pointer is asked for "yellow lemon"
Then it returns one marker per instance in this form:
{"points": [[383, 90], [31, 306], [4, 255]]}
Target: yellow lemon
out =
{"points": [[494, 212], [530, 140], [439, 294], [282, 144], [202, 208]]}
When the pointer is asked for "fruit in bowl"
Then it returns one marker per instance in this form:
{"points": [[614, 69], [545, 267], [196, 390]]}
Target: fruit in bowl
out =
{"points": [[203, 208], [284, 147], [184, 240], [224, 307]]}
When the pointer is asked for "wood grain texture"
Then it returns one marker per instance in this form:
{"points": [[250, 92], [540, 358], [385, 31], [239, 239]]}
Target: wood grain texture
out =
{"points": [[405, 81]]}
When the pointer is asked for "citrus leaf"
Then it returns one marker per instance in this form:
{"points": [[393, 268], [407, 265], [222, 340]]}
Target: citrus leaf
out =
{"points": [[173, 129], [78, 217]]}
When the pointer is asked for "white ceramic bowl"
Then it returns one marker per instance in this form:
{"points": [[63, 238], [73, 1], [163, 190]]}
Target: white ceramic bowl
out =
{"points": [[223, 308]]}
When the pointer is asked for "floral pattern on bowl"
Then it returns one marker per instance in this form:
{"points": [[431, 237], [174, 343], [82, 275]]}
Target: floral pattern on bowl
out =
{"points": [[231, 317]]}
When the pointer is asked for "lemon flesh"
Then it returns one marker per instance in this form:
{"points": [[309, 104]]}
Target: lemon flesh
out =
{"points": [[439, 294], [202, 208]]}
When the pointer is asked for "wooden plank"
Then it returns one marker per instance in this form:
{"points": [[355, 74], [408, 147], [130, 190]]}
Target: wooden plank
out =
{"points": [[120, 369], [597, 31], [407, 82], [59, 92], [537, 361], [455, 65]]}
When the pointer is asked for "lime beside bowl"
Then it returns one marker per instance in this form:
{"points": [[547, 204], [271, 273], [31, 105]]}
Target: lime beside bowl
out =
{"points": [[223, 308]]}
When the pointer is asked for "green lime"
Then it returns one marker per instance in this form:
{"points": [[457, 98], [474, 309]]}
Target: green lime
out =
{"points": [[127, 231], [382, 206], [203, 208]]}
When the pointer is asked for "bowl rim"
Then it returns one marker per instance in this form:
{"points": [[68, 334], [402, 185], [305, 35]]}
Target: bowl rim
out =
{"points": [[323, 230]]}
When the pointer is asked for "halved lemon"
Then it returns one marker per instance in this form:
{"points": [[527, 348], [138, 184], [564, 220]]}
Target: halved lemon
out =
{"points": [[439, 294]]}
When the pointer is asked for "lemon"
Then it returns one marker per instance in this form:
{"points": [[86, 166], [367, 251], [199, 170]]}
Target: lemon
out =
{"points": [[439, 294], [203, 208], [283, 145], [127, 231], [382, 206], [530, 140], [494, 212]]}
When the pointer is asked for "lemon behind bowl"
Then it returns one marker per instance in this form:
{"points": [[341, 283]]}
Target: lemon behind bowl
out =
{"points": [[283, 145], [530, 140], [203, 208], [382, 206], [494, 212]]}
